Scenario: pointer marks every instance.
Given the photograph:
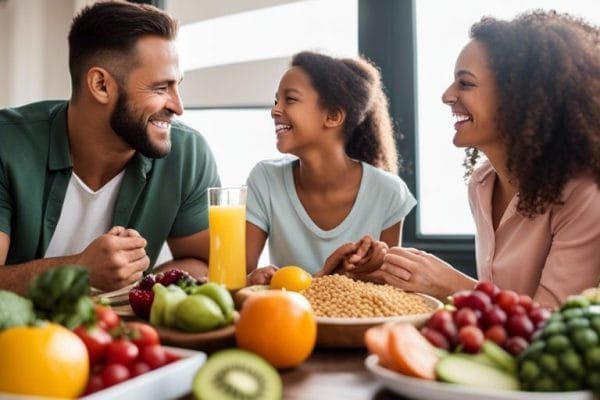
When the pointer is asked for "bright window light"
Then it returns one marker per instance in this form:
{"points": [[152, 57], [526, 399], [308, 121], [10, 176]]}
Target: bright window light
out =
{"points": [[442, 193], [322, 25]]}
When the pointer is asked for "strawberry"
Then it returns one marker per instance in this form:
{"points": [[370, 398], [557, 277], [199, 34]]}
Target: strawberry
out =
{"points": [[141, 301]]}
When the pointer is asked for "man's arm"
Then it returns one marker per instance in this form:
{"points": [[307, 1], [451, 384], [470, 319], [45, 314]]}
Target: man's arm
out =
{"points": [[112, 262], [190, 253]]}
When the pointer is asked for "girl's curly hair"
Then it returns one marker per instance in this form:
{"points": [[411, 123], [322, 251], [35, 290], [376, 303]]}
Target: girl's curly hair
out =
{"points": [[547, 71], [354, 85]]}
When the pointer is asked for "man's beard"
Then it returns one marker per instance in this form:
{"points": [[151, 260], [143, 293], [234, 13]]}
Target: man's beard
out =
{"points": [[133, 131]]}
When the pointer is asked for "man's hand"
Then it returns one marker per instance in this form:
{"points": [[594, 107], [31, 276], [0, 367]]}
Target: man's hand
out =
{"points": [[115, 259]]}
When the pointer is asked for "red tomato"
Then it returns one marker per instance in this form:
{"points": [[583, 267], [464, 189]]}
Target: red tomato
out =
{"points": [[114, 373], [95, 383], [172, 357], [155, 356], [107, 317], [121, 351], [96, 342], [139, 368], [142, 335]]}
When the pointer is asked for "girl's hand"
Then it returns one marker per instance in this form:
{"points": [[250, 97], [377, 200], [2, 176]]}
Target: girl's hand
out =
{"points": [[261, 276], [417, 271], [335, 262], [368, 258]]}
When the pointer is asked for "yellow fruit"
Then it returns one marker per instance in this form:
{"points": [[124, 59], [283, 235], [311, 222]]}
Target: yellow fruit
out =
{"points": [[47, 360], [279, 326], [291, 278]]}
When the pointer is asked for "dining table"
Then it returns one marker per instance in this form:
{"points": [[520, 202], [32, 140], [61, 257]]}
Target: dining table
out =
{"points": [[332, 374]]}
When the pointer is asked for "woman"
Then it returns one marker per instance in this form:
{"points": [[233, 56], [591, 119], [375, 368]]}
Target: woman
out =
{"points": [[526, 94]]}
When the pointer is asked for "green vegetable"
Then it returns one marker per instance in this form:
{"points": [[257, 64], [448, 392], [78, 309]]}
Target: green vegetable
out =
{"points": [[62, 295], [15, 310]]}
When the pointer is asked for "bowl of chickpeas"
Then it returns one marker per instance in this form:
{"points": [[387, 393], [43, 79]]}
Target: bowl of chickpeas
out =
{"points": [[345, 308]]}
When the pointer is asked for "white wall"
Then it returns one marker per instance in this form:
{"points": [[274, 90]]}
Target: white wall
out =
{"points": [[34, 61]]}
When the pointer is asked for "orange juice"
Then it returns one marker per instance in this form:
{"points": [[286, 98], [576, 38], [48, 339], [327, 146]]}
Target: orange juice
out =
{"points": [[227, 257]]}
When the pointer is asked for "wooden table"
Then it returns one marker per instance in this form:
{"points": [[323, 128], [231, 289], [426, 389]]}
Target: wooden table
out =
{"points": [[332, 374]]}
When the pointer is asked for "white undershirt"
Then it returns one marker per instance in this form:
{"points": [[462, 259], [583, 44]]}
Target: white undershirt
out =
{"points": [[85, 215]]}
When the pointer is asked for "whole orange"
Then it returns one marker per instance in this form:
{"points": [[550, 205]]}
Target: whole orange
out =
{"points": [[279, 326], [291, 278], [47, 360]]}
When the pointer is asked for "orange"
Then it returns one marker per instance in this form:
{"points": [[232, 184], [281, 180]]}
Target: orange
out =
{"points": [[291, 278], [47, 360], [279, 326]]}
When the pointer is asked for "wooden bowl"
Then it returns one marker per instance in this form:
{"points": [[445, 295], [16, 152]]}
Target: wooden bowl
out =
{"points": [[350, 332], [205, 341]]}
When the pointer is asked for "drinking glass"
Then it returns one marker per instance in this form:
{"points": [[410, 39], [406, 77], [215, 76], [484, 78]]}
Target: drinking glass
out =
{"points": [[227, 229]]}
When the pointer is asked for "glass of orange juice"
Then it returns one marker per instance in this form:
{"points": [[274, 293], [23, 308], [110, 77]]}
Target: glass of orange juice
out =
{"points": [[227, 230]]}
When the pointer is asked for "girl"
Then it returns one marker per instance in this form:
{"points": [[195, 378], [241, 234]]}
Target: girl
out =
{"points": [[341, 183], [527, 95]]}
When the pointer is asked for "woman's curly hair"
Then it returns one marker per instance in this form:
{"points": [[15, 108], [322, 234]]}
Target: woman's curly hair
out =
{"points": [[547, 71], [354, 86]]}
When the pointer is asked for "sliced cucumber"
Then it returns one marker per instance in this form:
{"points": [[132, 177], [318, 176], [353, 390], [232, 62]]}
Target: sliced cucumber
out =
{"points": [[499, 356], [461, 370]]}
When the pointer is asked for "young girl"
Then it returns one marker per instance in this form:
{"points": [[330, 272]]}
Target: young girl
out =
{"points": [[527, 95], [341, 183]]}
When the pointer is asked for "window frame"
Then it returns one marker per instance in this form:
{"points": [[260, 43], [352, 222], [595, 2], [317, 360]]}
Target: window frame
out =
{"points": [[387, 36]]}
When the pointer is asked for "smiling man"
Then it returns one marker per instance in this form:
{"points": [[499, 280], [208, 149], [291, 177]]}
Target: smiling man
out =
{"points": [[103, 180]]}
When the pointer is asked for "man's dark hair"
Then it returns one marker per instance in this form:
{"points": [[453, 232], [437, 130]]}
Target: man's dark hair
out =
{"points": [[107, 32]]}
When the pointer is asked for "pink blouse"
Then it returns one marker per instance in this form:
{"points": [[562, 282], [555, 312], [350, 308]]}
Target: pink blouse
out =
{"points": [[548, 257]]}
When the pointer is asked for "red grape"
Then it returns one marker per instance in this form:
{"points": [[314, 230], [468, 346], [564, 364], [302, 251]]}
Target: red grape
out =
{"points": [[526, 301], [488, 288], [515, 345], [478, 301], [506, 299], [458, 298], [539, 315], [520, 325], [471, 338], [497, 334], [465, 316], [495, 316], [435, 338]]}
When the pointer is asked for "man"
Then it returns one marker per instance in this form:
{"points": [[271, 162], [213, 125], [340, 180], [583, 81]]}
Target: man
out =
{"points": [[104, 179]]}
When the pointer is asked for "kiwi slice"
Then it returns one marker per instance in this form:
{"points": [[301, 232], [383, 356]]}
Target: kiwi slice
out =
{"points": [[237, 375]]}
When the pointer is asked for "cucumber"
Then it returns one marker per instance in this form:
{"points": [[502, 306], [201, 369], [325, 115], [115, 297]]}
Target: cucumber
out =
{"points": [[501, 357], [461, 370]]}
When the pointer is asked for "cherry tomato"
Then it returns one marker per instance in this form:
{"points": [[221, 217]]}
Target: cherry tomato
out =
{"points": [[172, 357], [95, 383], [121, 351], [107, 317], [155, 356], [142, 335], [139, 368], [96, 342], [114, 373]]}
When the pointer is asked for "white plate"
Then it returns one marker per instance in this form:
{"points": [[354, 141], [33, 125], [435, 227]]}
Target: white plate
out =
{"points": [[423, 389], [167, 382]]}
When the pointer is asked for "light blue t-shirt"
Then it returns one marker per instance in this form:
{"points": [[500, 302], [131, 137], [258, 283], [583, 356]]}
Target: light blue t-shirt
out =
{"points": [[294, 239]]}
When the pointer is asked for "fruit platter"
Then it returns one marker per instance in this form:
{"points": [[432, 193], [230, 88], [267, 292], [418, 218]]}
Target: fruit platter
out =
{"points": [[489, 343], [185, 312]]}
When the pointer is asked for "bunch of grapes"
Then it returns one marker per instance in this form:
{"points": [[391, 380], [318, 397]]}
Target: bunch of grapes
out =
{"points": [[502, 316]]}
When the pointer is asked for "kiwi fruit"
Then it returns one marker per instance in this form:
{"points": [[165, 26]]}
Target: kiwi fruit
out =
{"points": [[236, 374]]}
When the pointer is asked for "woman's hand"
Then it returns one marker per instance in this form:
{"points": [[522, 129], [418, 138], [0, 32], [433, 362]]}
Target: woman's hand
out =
{"points": [[261, 276], [417, 271]]}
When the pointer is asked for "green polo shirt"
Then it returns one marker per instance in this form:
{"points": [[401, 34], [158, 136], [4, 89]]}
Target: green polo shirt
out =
{"points": [[160, 198]]}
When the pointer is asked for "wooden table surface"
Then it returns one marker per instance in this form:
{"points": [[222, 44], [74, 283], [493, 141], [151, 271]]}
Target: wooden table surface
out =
{"points": [[332, 374]]}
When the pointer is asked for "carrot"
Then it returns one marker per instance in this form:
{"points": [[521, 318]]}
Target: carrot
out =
{"points": [[376, 340], [410, 352]]}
